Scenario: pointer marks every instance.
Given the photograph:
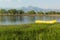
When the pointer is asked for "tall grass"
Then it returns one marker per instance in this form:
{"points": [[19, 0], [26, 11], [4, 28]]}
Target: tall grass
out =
{"points": [[30, 32], [51, 33], [21, 32]]}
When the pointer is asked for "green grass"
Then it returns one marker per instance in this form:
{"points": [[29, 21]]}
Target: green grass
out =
{"points": [[51, 33], [30, 32]]}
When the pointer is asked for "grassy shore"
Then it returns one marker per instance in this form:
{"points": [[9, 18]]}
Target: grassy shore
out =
{"points": [[30, 32]]}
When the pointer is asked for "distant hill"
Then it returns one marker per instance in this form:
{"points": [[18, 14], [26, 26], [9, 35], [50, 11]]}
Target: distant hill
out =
{"points": [[37, 9], [32, 8]]}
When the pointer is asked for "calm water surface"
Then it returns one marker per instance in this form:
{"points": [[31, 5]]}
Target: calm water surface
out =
{"points": [[16, 20]]}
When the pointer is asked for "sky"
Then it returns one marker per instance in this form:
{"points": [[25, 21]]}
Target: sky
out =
{"points": [[45, 4]]}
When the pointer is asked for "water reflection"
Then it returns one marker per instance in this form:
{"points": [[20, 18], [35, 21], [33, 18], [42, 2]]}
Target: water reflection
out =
{"points": [[10, 20]]}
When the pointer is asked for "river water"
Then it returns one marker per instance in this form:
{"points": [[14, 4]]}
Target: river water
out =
{"points": [[16, 20]]}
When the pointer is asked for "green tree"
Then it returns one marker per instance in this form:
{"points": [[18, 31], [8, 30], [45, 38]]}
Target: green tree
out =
{"points": [[3, 11], [12, 11], [40, 13], [51, 12], [21, 12], [31, 12], [57, 12]]}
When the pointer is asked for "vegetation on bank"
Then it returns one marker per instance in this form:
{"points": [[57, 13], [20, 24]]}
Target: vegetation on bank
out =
{"points": [[52, 33], [30, 32], [14, 11]]}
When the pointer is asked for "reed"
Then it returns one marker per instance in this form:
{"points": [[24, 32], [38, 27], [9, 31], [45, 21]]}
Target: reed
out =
{"points": [[30, 32]]}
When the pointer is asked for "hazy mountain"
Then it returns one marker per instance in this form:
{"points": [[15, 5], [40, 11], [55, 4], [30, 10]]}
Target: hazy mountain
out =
{"points": [[38, 9], [32, 8], [35, 9]]}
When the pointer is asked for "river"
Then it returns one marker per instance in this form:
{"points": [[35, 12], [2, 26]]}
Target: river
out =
{"points": [[16, 20]]}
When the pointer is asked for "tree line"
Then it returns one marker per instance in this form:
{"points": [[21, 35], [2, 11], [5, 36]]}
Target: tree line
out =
{"points": [[14, 11]]}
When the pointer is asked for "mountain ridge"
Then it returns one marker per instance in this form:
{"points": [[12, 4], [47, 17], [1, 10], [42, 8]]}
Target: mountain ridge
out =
{"points": [[37, 9]]}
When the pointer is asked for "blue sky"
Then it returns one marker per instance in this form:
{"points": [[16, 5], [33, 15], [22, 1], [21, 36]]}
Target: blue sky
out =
{"points": [[46, 4]]}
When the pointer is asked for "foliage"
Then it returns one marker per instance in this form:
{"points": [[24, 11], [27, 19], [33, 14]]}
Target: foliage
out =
{"points": [[3, 11], [12, 11], [51, 12], [30, 32], [51, 33], [21, 12], [15, 11], [31, 12], [21, 32], [41, 13]]}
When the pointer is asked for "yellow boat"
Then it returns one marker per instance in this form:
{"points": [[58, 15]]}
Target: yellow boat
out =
{"points": [[50, 22]]}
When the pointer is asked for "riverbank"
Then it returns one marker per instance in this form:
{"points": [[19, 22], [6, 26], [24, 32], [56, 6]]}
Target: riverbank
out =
{"points": [[30, 32], [29, 14]]}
